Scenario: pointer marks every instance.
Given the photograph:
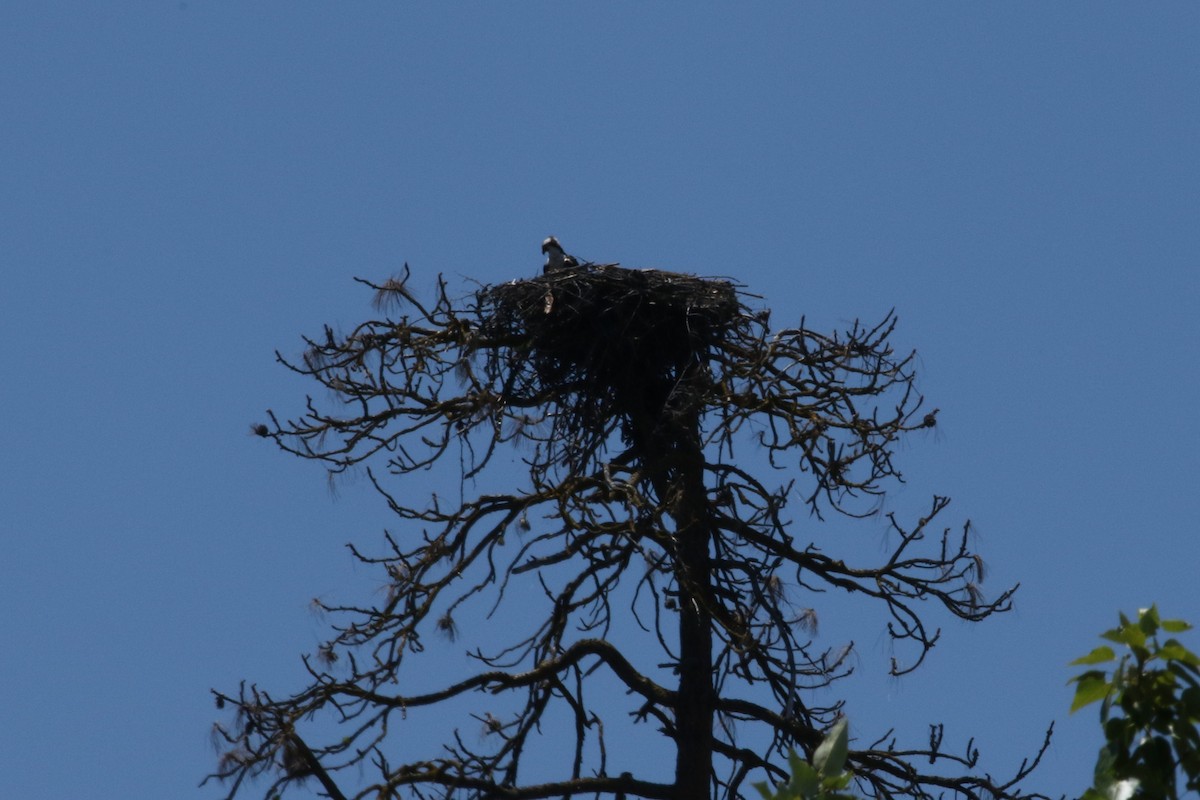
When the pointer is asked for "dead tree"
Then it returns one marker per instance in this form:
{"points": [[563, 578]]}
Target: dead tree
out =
{"points": [[625, 394]]}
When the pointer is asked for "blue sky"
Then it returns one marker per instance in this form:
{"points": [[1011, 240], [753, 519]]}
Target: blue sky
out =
{"points": [[185, 187]]}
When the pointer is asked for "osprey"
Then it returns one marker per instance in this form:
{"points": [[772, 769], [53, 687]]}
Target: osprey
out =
{"points": [[556, 259]]}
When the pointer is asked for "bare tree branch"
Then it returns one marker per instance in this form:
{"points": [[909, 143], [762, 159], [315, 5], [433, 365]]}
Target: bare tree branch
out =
{"points": [[663, 431]]}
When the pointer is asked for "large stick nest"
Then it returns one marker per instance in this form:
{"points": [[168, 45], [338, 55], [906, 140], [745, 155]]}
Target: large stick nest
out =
{"points": [[608, 342]]}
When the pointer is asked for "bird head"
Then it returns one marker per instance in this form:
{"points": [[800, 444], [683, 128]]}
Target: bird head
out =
{"points": [[551, 244]]}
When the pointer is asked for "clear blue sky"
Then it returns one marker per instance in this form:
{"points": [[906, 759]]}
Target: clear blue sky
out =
{"points": [[186, 186]]}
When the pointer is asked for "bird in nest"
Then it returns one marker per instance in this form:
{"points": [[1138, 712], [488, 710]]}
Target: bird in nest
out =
{"points": [[556, 257]]}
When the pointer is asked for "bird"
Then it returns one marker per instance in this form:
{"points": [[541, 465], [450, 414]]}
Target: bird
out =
{"points": [[556, 258]]}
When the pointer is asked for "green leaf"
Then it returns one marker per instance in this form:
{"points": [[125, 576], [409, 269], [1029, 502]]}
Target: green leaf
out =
{"points": [[1156, 769], [1103, 776], [1118, 677], [1106, 785], [1181, 653], [805, 780], [1106, 705], [1148, 620], [1176, 625], [1173, 651], [1129, 635], [1092, 687], [830, 756], [1184, 672], [1190, 701], [835, 782], [1098, 656]]}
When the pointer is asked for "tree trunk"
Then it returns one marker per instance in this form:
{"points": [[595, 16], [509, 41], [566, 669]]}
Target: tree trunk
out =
{"points": [[694, 710], [681, 487]]}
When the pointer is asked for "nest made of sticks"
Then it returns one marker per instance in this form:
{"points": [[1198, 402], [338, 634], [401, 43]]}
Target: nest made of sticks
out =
{"points": [[608, 342]]}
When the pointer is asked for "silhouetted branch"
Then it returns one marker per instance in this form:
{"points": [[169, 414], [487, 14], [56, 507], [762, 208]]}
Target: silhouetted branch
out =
{"points": [[662, 430]]}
